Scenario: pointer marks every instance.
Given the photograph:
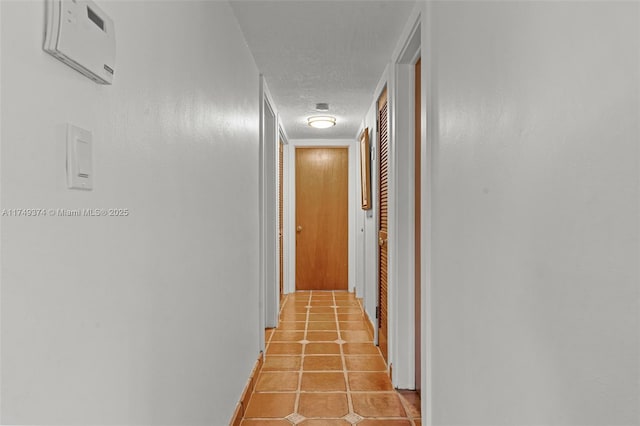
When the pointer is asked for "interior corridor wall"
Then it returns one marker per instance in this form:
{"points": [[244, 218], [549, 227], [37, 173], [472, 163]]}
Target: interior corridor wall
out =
{"points": [[150, 318], [368, 218], [535, 231]]}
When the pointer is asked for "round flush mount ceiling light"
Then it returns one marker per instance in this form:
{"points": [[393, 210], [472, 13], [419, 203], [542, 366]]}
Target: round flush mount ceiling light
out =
{"points": [[321, 121]]}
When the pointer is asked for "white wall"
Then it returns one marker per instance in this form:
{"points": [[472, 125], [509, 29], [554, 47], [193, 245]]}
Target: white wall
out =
{"points": [[150, 318], [534, 138]]}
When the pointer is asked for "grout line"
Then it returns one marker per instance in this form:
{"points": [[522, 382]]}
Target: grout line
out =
{"points": [[296, 405], [344, 360]]}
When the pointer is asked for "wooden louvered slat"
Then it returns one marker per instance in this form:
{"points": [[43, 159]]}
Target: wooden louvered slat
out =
{"points": [[383, 217]]}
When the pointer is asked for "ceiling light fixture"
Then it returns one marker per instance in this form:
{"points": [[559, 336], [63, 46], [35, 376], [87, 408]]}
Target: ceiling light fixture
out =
{"points": [[321, 121]]}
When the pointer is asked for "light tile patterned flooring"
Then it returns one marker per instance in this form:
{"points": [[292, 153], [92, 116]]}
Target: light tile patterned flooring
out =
{"points": [[321, 368]]}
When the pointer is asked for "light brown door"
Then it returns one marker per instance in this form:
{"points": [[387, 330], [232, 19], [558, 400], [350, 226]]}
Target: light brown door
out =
{"points": [[322, 226], [280, 210], [383, 197], [418, 212]]}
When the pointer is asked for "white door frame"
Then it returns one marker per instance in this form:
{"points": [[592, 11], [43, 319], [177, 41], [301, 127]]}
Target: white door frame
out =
{"points": [[284, 140], [402, 205], [428, 135], [269, 286], [290, 204], [406, 53]]}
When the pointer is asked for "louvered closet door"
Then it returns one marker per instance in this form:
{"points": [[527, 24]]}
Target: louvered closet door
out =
{"points": [[383, 197]]}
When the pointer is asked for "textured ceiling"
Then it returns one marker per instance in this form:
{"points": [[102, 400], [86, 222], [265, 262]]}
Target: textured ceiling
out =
{"points": [[322, 51]]}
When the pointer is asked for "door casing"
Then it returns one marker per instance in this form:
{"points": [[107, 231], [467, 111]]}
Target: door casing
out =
{"points": [[290, 204], [269, 302]]}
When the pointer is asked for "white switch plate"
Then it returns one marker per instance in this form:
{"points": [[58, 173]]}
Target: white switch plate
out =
{"points": [[79, 158]]}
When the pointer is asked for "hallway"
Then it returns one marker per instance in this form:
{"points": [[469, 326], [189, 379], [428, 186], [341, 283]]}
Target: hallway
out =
{"points": [[493, 205], [321, 368]]}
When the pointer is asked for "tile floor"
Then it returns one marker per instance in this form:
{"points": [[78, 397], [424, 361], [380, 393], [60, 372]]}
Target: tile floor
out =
{"points": [[322, 369]]}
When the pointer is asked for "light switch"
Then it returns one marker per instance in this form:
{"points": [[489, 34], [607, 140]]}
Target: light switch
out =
{"points": [[79, 158]]}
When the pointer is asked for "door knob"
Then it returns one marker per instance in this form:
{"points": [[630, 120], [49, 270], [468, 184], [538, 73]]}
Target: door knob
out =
{"points": [[299, 228]]}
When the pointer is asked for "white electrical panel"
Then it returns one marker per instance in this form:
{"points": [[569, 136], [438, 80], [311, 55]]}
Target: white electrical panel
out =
{"points": [[79, 158], [82, 36]]}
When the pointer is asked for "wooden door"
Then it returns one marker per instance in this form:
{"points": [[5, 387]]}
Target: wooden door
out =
{"points": [[418, 213], [383, 210], [280, 214], [322, 225]]}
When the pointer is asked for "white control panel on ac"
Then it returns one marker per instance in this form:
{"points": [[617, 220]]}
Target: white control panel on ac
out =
{"points": [[81, 35], [79, 158]]}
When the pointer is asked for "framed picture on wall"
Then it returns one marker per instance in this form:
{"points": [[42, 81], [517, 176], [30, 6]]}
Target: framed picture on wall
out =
{"points": [[365, 169]]}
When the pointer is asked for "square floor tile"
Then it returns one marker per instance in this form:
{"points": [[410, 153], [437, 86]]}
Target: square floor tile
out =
{"points": [[270, 405], [301, 294], [360, 349], [322, 336], [297, 316], [319, 363], [294, 307], [321, 325], [411, 401], [265, 423], [293, 310], [322, 317], [322, 295], [322, 302], [347, 303], [370, 381], [343, 295], [291, 325], [354, 336], [325, 422], [377, 404], [323, 382], [352, 325], [322, 310], [287, 348], [287, 336], [350, 317], [349, 310], [365, 363], [323, 404], [281, 363], [385, 422], [277, 381], [322, 348]]}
